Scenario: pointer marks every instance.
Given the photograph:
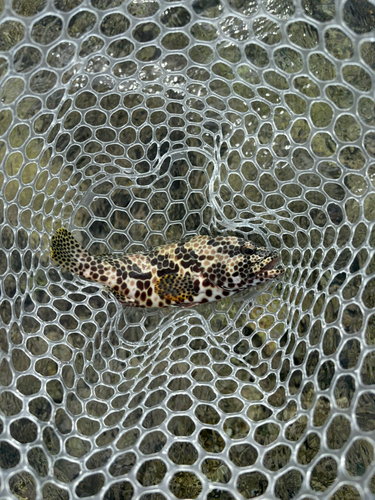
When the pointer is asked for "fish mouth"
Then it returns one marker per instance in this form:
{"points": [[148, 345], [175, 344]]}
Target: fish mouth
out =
{"points": [[270, 265], [267, 269]]}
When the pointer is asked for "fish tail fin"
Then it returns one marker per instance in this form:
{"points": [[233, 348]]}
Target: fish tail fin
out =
{"points": [[67, 252]]}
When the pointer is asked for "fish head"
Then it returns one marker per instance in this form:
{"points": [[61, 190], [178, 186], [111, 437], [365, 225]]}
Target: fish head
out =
{"points": [[259, 264]]}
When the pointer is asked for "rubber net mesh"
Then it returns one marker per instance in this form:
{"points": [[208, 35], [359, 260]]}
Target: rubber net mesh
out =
{"points": [[133, 123]]}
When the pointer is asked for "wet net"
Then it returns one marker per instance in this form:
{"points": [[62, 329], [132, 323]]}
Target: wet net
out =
{"points": [[134, 123]]}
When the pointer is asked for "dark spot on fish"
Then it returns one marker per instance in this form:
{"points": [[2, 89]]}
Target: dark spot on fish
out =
{"points": [[139, 276], [189, 263], [163, 272]]}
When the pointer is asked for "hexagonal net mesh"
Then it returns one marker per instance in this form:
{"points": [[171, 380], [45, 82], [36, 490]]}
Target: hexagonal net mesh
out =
{"points": [[133, 123]]}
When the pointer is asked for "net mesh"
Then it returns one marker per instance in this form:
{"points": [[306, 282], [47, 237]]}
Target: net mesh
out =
{"points": [[133, 123]]}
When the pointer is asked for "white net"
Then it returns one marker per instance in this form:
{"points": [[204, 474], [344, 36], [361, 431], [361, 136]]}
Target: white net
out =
{"points": [[134, 123]]}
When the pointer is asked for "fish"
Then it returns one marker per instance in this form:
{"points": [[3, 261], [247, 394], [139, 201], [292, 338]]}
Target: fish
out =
{"points": [[186, 273]]}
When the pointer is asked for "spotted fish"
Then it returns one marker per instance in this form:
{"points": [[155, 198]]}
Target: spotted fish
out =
{"points": [[203, 269]]}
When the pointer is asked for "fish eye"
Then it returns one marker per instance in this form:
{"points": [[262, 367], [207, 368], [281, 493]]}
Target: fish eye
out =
{"points": [[247, 250]]}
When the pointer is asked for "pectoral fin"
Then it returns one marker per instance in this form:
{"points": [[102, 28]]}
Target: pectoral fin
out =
{"points": [[175, 287]]}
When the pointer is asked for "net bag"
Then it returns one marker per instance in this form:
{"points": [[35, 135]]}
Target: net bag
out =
{"points": [[135, 123]]}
